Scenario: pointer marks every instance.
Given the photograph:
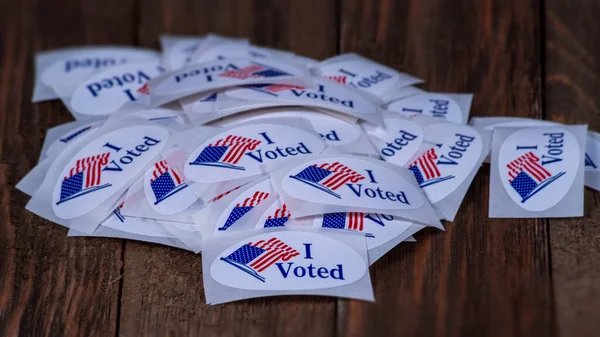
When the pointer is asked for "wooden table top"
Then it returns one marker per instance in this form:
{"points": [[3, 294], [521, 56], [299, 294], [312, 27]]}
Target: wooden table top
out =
{"points": [[482, 277]]}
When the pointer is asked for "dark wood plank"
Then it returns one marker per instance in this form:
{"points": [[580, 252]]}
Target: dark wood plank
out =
{"points": [[572, 87], [163, 290], [50, 285], [482, 277]]}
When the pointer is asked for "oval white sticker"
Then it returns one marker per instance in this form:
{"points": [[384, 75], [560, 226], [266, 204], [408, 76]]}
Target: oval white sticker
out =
{"points": [[352, 182], [377, 228], [325, 94], [290, 260], [249, 150], [538, 166], [333, 131], [104, 166], [430, 104], [107, 92], [361, 74], [454, 153], [80, 64]]}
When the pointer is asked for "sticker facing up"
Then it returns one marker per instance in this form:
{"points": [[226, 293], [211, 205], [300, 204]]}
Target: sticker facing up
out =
{"points": [[285, 261], [86, 179], [383, 232], [249, 150], [331, 184], [323, 94], [59, 72], [177, 50], [592, 144], [214, 75], [112, 90], [365, 75], [335, 131], [451, 107], [540, 170]]}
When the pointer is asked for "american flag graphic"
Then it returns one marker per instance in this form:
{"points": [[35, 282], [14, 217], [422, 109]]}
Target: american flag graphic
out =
{"points": [[117, 212], [527, 176], [254, 258], [279, 218], [341, 79], [272, 89], [255, 70], [144, 89], [210, 98], [241, 209], [426, 170], [328, 177], [589, 161], [84, 178], [165, 181], [226, 152], [354, 221]]}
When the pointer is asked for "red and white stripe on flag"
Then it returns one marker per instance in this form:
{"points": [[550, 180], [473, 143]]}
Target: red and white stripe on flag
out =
{"points": [[426, 163], [275, 250], [92, 166], [529, 163]]}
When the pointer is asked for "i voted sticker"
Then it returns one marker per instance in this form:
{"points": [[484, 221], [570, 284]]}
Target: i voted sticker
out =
{"points": [[538, 166], [79, 64], [104, 166], [334, 131], [364, 74], [109, 91], [377, 228], [166, 188], [323, 95], [353, 182], [218, 74], [454, 154], [248, 150], [290, 260], [242, 205], [430, 104]]}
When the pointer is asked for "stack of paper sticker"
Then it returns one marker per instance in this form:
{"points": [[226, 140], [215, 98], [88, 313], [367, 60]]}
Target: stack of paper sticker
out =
{"points": [[290, 175]]}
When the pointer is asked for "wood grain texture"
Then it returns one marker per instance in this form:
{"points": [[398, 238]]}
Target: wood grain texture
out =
{"points": [[50, 285], [572, 96], [482, 277], [163, 292]]}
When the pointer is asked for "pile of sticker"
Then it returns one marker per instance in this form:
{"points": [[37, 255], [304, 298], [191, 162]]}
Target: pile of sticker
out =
{"points": [[290, 175]]}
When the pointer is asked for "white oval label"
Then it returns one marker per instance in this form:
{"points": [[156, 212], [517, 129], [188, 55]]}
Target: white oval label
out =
{"points": [[430, 104], [454, 153], [324, 95], [80, 64], [352, 182], [104, 166], [538, 166], [107, 92], [290, 260], [377, 228], [333, 131], [361, 74], [249, 150], [218, 74]]}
